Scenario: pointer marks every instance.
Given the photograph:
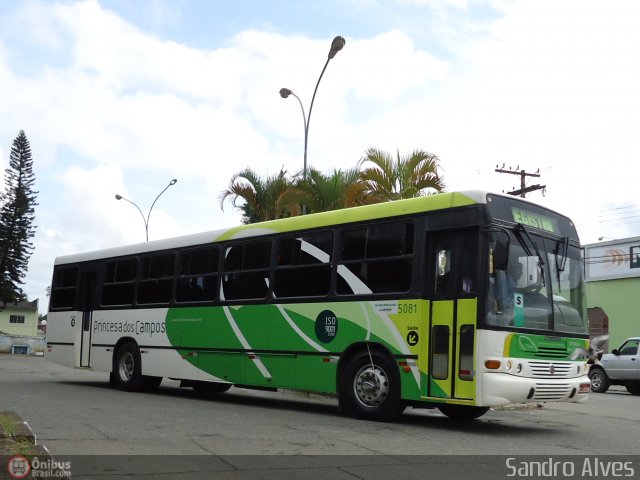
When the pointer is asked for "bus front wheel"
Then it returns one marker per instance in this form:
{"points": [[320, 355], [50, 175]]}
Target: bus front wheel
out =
{"points": [[463, 412], [370, 387]]}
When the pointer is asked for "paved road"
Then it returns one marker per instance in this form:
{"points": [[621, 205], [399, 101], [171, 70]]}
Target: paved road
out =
{"points": [[74, 412]]}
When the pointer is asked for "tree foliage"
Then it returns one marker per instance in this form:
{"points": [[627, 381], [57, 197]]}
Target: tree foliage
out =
{"points": [[410, 176], [322, 193], [17, 214], [258, 198], [377, 177]]}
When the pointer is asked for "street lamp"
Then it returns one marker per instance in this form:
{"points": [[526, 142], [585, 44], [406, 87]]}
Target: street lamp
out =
{"points": [[336, 45], [146, 219]]}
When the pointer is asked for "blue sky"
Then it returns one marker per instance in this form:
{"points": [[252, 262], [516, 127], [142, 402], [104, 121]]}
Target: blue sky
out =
{"points": [[122, 96]]}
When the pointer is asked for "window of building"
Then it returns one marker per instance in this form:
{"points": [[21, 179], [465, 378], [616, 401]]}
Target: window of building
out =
{"points": [[16, 318]]}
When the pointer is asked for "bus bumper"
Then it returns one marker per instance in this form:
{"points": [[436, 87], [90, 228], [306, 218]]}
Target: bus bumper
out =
{"points": [[501, 389]]}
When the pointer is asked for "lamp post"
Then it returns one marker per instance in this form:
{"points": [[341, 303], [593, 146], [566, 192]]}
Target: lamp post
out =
{"points": [[146, 219], [336, 45]]}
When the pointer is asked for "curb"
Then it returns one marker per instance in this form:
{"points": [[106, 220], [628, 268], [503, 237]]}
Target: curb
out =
{"points": [[17, 438]]}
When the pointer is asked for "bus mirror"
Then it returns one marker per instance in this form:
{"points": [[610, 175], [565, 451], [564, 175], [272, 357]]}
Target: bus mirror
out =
{"points": [[501, 252]]}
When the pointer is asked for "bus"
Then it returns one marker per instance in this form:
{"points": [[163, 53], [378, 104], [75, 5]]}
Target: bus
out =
{"points": [[460, 301]]}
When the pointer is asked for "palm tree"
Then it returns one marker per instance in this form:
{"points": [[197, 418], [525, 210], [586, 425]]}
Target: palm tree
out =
{"points": [[264, 198], [405, 177], [321, 193]]}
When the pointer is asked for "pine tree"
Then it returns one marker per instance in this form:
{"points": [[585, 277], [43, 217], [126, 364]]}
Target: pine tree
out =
{"points": [[17, 213]]}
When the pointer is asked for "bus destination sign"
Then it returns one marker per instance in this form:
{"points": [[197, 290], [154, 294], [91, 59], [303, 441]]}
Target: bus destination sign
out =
{"points": [[535, 220]]}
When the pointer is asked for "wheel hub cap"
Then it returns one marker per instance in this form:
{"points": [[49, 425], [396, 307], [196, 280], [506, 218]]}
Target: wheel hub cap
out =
{"points": [[371, 386], [126, 367]]}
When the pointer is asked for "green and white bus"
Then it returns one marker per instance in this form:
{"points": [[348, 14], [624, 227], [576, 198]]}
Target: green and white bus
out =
{"points": [[459, 301]]}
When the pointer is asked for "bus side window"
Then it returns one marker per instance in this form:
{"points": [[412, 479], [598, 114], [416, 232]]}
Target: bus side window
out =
{"points": [[303, 265], [246, 271], [120, 282], [156, 279], [376, 259], [197, 275], [63, 290]]}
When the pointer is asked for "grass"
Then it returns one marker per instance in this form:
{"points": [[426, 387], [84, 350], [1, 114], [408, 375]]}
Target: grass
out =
{"points": [[7, 426], [23, 447]]}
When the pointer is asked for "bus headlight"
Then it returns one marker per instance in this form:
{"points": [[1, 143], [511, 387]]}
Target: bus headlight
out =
{"points": [[519, 368]]}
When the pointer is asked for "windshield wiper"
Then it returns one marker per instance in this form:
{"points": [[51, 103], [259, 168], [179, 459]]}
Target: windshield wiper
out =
{"points": [[521, 229], [561, 260]]}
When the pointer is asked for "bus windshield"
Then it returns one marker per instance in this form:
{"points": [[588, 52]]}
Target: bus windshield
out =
{"points": [[540, 286]]}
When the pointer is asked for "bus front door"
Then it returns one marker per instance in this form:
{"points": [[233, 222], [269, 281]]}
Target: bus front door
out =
{"points": [[87, 300], [454, 271]]}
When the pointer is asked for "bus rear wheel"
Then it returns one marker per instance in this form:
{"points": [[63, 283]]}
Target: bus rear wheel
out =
{"points": [[633, 388], [463, 412], [127, 370], [210, 387], [370, 387]]}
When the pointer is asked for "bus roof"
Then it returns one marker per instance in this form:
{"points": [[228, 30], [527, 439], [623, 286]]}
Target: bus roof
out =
{"points": [[335, 217]]}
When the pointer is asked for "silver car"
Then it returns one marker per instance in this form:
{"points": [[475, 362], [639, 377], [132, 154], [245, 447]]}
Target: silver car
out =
{"points": [[620, 367]]}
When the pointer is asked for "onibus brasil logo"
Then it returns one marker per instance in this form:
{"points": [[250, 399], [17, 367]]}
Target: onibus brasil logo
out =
{"points": [[20, 467]]}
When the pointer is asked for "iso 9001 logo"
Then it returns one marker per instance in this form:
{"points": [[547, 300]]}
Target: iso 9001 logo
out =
{"points": [[18, 467]]}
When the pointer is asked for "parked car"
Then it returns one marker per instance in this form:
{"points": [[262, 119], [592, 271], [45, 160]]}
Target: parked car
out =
{"points": [[620, 367]]}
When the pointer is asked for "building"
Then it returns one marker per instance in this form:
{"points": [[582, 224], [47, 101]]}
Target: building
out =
{"points": [[19, 319], [613, 284]]}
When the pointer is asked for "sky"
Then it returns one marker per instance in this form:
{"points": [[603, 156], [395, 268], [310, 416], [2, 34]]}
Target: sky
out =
{"points": [[120, 97]]}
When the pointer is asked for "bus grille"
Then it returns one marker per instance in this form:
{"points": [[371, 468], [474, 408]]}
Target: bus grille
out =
{"points": [[551, 369], [551, 352], [550, 392]]}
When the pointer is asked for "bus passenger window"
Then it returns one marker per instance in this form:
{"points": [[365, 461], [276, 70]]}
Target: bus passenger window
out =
{"points": [[63, 290], [197, 275], [303, 266], [246, 271], [156, 279], [376, 259], [120, 282]]}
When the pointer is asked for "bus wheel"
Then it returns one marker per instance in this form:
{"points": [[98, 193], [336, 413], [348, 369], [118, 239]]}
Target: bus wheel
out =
{"points": [[210, 387], [599, 380], [633, 388], [127, 369], [463, 412], [370, 387]]}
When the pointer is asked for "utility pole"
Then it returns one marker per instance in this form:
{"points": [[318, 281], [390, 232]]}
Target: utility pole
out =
{"points": [[523, 175]]}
